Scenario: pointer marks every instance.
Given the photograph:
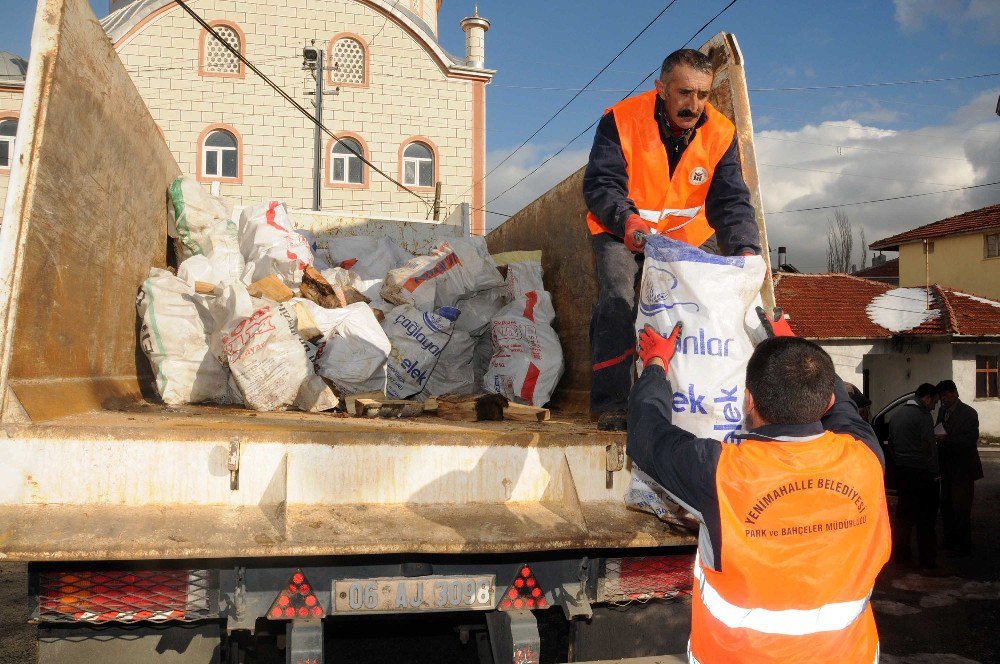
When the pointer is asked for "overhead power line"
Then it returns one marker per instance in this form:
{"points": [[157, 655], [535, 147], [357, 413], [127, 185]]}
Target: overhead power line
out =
{"points": [[883, 200], [883, 84], [291, 100], [592, 124]]}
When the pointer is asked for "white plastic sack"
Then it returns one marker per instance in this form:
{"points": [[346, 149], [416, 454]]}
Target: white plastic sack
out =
{"points": [[418, 339], [222, 267], [454, 372], [711, 296], [454, 269], [266, 357], [481, 357], [268, 240], [527, 360], [478, 310], [194, 213], [367, 257], [354, 348], [524, 272], [175, 330]]}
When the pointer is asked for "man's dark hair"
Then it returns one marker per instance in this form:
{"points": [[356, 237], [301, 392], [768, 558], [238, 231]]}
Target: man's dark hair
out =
{"points": [[947, 387], [925, 390], [791, 380], [687, 56]]}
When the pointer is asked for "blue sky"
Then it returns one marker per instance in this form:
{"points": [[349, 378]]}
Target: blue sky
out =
{"points": [[823, 147]]}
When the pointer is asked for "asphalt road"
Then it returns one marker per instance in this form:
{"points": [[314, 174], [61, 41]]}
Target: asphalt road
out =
{"points": [[954, 619]]}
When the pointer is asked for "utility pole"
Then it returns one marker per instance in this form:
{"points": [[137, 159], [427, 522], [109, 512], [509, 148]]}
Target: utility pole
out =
{"points": [[312, 60], [437, 201]]}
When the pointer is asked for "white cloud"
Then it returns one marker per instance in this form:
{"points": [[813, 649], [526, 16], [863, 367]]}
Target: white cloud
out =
{"points": [[842, 162], [520, 165], [980, 18]]}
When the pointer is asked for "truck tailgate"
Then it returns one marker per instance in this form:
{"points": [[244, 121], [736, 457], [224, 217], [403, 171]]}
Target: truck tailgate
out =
{"points": [[141, 484]]}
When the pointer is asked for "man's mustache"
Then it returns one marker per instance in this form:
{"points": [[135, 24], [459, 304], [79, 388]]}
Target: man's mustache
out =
{"points": [[685, 113]]}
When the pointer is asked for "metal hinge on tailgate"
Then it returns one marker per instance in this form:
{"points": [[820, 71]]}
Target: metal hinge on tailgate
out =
{"points": [[615, 462], [233, 464]]}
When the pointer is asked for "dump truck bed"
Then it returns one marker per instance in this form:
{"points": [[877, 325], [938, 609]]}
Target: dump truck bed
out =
{"points": [[94, 469]]}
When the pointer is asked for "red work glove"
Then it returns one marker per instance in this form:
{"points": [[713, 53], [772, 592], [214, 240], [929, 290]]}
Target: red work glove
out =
{"points": [[653, 344], [776, 326], [633, 225]]}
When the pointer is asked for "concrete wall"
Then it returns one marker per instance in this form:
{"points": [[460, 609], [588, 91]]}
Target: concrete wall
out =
{"points": [[408, 94], [10, 106], [965, 378], [903, 368], [848, 359], [957, 262]]}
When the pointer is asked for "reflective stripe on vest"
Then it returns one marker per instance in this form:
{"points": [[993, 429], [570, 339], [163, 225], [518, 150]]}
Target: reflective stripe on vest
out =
{"points": [[788, 622], [672, 203], [656, 216]]}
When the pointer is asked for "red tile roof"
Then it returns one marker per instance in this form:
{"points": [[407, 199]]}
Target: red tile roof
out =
{"points": [[835, 306], [968, 222], [971, 315], [887, 270]]}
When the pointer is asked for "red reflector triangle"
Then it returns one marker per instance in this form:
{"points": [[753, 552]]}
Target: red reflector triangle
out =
{"points": [[523, 592], [296, 601]]}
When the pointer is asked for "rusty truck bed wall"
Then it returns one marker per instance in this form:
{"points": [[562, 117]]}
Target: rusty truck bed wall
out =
{"points": [[90, 471], [556, 224], [85, 221]]}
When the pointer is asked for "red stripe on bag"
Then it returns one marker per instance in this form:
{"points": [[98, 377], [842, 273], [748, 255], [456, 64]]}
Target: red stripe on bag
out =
{"points": [[528, 387], [270, 215], [529, 306], [616, 360]]}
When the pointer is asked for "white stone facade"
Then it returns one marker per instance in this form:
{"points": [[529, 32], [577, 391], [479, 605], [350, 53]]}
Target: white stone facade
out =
{"points": [[10, 107], [411, 90]]}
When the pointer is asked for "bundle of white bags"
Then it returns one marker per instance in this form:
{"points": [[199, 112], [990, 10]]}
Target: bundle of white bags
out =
{"points": [[714, 297], [451, 322]]}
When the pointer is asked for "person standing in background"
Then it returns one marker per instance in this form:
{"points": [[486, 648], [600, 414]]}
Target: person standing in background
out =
{"points": [[960, 466], [914, 448]]}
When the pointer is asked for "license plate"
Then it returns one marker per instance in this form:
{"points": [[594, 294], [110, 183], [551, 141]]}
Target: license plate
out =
{"points": [[416, 594]]}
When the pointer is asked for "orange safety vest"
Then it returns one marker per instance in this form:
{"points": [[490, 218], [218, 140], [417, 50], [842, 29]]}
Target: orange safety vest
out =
{"points": [[674, 206], [805, 532]]}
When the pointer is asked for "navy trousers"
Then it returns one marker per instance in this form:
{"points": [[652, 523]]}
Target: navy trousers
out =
{"points": [[612, 322]]}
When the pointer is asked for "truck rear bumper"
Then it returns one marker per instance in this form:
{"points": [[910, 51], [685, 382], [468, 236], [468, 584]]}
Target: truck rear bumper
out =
{"points": [[112, 532]]}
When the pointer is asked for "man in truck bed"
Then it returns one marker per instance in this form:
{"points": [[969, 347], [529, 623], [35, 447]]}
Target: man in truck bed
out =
{"points": [[664, 160], [794, 527]]}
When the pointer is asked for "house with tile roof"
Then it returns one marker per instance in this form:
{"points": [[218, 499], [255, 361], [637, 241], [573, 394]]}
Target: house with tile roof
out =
{"points": [[884, 270], [887, 340], [961, 252]]}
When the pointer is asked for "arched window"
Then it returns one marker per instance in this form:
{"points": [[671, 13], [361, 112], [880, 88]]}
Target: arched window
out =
{"points": [[216, 59], [8, 130], [348, 61], [346, 166], [418, 165], [220, 155]]}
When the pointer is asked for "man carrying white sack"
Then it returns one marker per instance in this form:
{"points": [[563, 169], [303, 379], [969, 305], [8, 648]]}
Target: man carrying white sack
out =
{"points": [[803, 488], [664, 161]]}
